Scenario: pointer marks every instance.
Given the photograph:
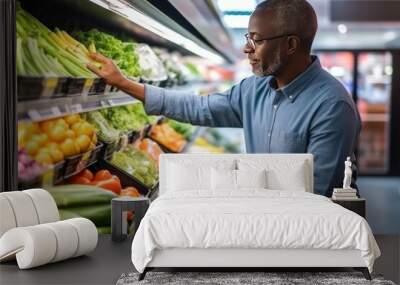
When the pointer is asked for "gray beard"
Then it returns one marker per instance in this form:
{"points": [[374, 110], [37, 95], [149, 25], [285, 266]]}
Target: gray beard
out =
{"points": [[272, 68]]}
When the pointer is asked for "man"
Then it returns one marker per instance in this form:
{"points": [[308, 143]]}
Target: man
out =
{"points": [[291, 105]]}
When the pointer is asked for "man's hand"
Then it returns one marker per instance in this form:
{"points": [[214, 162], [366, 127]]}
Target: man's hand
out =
{"points": [[108, 70], [113, 76]]}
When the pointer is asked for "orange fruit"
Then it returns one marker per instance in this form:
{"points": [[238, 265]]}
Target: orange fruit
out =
{"points": [[46, 126], [83, 141], [32, 147], [70, 134], [62, 122], [76, 126], [68, 147], [58, 133], [56, 155], [85, 129], [72, 119]]}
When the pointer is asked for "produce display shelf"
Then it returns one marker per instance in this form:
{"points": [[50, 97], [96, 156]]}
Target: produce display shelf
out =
{"points": [[43, 109], [126, 178], [50, 108]]}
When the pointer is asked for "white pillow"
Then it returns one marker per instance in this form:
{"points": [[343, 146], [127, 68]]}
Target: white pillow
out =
{"points": [[183, 174], [226, 179], [183, 177], [223, 179], [281, 174], [292, 179], [251, 178]]}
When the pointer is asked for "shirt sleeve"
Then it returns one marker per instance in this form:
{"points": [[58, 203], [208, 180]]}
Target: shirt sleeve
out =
{"points": [[214, 110], [332, 138]]}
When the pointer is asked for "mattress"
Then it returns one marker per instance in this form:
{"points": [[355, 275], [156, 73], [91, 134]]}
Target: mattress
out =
{"points": [[250, 219]]}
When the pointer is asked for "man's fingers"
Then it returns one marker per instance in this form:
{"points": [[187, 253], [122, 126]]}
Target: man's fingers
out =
{"points": [[94, 68], [98, 57]]}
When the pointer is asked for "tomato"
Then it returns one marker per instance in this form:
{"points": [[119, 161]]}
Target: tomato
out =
{"points": [[77, 179], [87, 173], [111, 184], [102, 175], [130, 191]]}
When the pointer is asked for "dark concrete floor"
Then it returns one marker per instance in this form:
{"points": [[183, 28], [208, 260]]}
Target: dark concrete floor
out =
{"points": [[110, 260]]}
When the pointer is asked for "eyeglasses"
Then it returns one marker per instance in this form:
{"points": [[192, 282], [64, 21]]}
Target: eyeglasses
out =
{"points": [[253, 42]]}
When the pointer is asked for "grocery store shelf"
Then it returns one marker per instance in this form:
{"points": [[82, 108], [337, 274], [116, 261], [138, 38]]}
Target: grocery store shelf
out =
{"points": [[43, 109], [137, 20], [49, 108]]}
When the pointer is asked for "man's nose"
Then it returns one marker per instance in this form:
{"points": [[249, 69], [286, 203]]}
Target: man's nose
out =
{"points": [[247, 48]]}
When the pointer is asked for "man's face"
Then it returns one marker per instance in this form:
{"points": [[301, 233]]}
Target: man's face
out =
{"points": [[265, 58]]}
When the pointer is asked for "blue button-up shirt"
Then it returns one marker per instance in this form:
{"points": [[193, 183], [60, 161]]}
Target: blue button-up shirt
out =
{"points": [[312, 114]]}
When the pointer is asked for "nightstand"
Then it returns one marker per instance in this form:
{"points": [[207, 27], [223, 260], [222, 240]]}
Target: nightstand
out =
{"points": [[119, 227], [355, 205]]}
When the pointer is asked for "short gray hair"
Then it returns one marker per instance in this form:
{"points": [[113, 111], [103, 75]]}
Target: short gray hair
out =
{"points": [[294, 16]]}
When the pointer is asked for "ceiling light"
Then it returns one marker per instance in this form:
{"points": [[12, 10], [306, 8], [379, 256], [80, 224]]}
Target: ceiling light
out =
{"points": [[390, 35], [236, 21], [388, 70], [342, 28], [242, 5]]}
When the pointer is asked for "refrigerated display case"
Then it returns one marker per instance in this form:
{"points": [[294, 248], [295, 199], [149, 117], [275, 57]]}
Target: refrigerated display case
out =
{"points": [[375, 71], [369, 76]]}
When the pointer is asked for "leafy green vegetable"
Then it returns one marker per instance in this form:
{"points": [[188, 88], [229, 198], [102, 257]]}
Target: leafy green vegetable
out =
{"points": [[43, 52], [126, 118], [123, 54], [138, 164], [105, 132]]}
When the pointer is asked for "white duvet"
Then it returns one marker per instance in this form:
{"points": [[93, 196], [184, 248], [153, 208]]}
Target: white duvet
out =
{"points": [[252, 218]]}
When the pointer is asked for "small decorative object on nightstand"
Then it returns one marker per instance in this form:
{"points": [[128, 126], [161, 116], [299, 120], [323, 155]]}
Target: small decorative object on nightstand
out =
{"points": [[347, 196], [119, 226], [356, 205]]}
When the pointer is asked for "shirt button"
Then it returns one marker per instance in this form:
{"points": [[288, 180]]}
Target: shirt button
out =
{"points": [[290, 97], [269, 134], [275, 106]]}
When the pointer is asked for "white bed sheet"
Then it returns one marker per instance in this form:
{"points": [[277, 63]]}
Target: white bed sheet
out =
{"points": [[251, 218]]}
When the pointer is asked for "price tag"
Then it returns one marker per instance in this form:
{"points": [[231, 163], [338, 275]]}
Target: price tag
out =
{"points": [[76, 108], [89, 82], [50, 82], [103, 104], [34, 115], [55, 111], [111, 102]]}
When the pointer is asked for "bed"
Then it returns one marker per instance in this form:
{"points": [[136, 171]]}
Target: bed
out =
{"points": [[246, 211]]}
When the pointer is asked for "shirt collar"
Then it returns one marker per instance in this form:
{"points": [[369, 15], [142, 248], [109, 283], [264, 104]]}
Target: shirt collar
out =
{"points": [[294, 88]]}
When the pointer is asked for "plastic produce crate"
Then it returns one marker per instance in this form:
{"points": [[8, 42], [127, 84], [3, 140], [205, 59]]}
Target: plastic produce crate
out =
{"points": [[35, 87], [58, 172], [75, 164], [126, 178], [95, 155], [108, 149]]}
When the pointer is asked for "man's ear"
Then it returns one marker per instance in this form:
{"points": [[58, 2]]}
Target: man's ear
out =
{"points": [[293, 44]]}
